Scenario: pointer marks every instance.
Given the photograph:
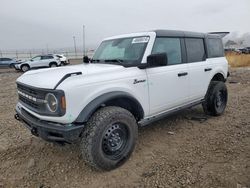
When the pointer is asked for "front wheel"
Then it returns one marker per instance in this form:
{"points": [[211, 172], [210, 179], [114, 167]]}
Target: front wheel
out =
{"points": [[109, 138], [215, 99], [25, 68]]}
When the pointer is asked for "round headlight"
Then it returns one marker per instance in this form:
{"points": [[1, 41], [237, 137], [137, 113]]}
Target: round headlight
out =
{"points": [[52, 103]]}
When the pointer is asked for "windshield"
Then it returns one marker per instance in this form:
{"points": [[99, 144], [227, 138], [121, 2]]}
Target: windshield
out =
{"points": [[124, 51]]}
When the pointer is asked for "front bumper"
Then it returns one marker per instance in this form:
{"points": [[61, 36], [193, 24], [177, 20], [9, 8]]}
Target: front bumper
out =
{"points": [[17, 66], [49, 131]]}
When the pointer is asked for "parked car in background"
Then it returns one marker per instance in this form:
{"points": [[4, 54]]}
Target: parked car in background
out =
{"points": [[245, 50], [63, 59], [7, 62], [39, 62]]}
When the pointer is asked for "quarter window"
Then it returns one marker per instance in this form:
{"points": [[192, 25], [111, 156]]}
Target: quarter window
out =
{"points": [[195, 50], [215, 47], [171, 46]]}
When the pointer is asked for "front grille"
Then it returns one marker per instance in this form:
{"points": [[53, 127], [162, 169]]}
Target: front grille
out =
{"points": [[26, 89], [28, 102], [31, 97]]}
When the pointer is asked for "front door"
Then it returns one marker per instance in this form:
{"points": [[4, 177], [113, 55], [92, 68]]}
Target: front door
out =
{"points": [[35, 62], [168, 85]]}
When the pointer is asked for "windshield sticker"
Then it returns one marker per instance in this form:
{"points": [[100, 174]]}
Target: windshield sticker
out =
{"points": [[140, 40]]}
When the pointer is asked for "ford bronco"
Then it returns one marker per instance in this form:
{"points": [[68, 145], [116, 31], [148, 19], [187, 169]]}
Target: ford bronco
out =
{"points": [[132, 80]]}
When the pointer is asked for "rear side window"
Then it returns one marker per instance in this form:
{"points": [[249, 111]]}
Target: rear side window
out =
{"points": [[195, 50], [47, 57], [171, 46], [5, 59], [215, 47]]}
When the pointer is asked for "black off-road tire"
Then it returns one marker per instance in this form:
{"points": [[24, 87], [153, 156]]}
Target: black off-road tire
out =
{"points": [[215, 99], [96, 138], [25, 68]]}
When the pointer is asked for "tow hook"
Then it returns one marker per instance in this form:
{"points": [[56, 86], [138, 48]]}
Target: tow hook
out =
{"points": [[34, 131], [17, 117]]}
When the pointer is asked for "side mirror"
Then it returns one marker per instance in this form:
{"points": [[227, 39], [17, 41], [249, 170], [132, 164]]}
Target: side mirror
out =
{"points": [[155, 60], [86, 59]]}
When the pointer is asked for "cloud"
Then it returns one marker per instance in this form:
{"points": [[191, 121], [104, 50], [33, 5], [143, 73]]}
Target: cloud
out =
{"points": [[33, 24]]}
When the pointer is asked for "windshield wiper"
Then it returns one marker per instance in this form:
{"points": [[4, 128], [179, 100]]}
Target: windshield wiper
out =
{"points": [[95, 60], [114, 60]]}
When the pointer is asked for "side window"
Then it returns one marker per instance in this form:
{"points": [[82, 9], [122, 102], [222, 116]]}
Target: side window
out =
{"points": [[47, 57], [5, 59], [37, 58], [195, 49], [171, 46], [215, 47]]}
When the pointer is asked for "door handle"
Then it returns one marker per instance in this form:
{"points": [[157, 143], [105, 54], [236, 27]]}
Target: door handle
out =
{"points": [[207, 69], [182, 74]]}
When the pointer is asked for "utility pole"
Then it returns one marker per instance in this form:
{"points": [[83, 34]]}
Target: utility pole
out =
{"points": [[74, 39], [83, 40]]}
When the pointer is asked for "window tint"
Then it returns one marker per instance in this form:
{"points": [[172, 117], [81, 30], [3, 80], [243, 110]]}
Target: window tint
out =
{"points": [[36, 58], [5, 59], [47, 57], [215, 47], [171, 46], [195, 49]]}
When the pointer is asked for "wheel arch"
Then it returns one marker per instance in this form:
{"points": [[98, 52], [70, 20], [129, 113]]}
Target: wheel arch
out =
{"points": [[24, 65], [52, 62], [119, 98], [219, 77]]}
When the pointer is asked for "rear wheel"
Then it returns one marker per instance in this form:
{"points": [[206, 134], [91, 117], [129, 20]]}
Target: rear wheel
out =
{"points": [[216, 98], [25, 68], [109, 138], [52, 65]]}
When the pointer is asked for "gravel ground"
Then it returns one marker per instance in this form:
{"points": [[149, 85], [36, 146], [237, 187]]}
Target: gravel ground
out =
{"points": [[188, 149]]}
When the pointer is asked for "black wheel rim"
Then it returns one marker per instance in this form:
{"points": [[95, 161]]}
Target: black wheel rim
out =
{"points": [[115, 140], [220, 100]]}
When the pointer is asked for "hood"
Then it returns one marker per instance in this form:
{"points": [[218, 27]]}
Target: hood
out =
{"points": [[50, 77]]}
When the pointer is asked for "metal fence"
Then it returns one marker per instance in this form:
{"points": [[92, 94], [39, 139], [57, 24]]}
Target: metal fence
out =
{"points": [[29, 54]]}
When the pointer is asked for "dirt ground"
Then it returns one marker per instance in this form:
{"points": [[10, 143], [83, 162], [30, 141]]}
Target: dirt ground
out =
{"points": [[185, 150]]}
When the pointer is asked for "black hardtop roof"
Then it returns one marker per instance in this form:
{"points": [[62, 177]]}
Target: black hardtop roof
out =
{"points": [[178, 33]]}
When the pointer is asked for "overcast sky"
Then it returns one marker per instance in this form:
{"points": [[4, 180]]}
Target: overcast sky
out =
{"points": [[28, 24]]}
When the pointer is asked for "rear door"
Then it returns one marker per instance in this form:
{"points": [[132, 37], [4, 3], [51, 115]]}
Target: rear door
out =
{"points": [[1, 62], [46, 59], [198, 67], [168, 85]]}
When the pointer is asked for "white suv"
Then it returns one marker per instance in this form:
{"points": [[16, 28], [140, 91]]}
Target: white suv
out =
{"points": [[131, 81], [63, 59], [39, 62]]}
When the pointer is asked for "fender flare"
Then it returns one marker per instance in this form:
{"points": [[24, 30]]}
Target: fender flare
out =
{"points": [[92, 106]]}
